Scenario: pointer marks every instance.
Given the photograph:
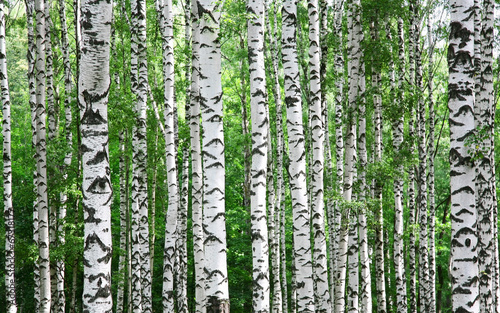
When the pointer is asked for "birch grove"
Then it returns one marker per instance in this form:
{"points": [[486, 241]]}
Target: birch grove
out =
{"points": [[249, 156]]}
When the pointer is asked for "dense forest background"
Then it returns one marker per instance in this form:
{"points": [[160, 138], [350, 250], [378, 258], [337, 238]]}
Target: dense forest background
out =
{"points": [[379, 24]]}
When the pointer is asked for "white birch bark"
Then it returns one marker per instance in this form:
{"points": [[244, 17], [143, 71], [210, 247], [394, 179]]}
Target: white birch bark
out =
{"points": [[182, 302], [398, 138], [196, 167], [41, 151], [377, 184], [320, 267], [171, 218], [94, 81], [340, 244], [411, 171], [10, 286], [274, 194], [30, 55], [431, 182], [485, 187], [258, 173], [217, 292], [423, 253], [141, 265], [120, 295], [68, 88], [463, 264], [297, 167]]}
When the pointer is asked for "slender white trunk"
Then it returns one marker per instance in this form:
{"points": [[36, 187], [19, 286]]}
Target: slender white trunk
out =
{"points": [[10, 286], [258, 173], [217, 292], [297, 167], [398, 138], [320, 267], [94, 81], [182, 300], [411, 171], [274, 196], [41, 151], [30, 7], [463, 264], [123, 226], [485, 187], [196, 167], [431, 182]]}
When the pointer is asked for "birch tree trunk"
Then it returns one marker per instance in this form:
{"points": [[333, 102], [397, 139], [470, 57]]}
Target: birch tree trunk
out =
{"points": [[320, 267], [123, 227], [41, 151], [377, 190], [182, 301], [94, 81], [463, 264], [217, 293], [196, 167], [260, 124], [141, 264], [340, 244], [274, 196], [10, 286], [30, 55], [423, 253], [431, 182], [411, 171], [171, 218], [68, 87], [297, 167], [398, 139], [485, 181]]}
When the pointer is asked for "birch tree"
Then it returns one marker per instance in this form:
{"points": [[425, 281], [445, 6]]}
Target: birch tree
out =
{"points": [[259, 230], [94, 81], [141, 265], [41, 166], [196, 166], [297, 167], [485, 180], [398, 138], [320, 267], [217, 292], [10, 286], [463, 263]]}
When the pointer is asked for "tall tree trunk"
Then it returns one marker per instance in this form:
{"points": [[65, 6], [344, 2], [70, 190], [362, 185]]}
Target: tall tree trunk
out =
{"points": [[423, 253], [141, 265], [463, 264], [377, 190], [123, 226], [431, 182], [171, 218], [340, 233], [320, 267], [217, 292], [485, 187], [412, 263], [196, 167], [297, 168], [274, 196], [68, 87], [182, 301], [94, 81], [10, 286], [398, 138], [258, 174], [41, 151], [30, 7]]}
